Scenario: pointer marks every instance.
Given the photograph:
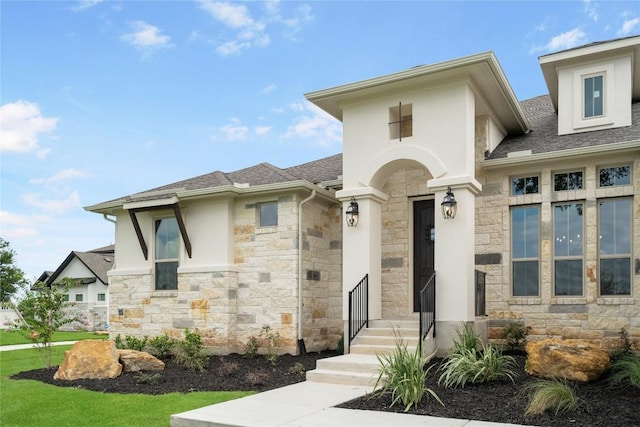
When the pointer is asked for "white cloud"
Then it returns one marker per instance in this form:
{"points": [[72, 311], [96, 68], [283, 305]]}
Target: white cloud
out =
{"points": [[629, 26], [16, 219], [270, 88], [85, 4], [262, 130], [235, 131], [63, 175], [316, 125], [146, 37], [563, 41], [20, 125], [591, 10], [15, 226], [58, 206]]}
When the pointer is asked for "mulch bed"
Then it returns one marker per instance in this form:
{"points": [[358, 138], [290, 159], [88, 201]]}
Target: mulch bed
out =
{"points": [[498, 402]]}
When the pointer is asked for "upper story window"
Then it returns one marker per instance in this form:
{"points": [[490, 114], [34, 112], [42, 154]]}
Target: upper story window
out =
{"points": [[524, 185], [401, 121], [593, 96], [166, 253], [268, 214], [565, 181], [613, 176]]}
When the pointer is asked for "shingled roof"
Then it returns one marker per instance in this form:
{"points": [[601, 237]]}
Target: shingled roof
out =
{"points": [[98, 261], [544, 137]]}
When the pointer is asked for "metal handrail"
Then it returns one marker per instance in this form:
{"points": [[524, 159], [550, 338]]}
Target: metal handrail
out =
{"points": [[358, 307], [428, 308]]}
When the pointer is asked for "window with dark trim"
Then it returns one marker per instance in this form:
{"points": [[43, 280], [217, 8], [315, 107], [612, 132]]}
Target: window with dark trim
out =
{"points": [[614, 176], [524, 185], [268, 213], [568, 232], [525, 250], [614, 248], [167, 242], [102, 297], [564, 181], [79, 297], [593, 96], [401, 121]]}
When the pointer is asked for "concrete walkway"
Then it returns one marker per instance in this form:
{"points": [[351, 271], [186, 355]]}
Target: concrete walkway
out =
{"points": [[308, 404], [25, 346]]}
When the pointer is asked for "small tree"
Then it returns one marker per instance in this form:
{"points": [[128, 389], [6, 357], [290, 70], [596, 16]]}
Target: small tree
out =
{"points": [[44, 311], [11, 277]]}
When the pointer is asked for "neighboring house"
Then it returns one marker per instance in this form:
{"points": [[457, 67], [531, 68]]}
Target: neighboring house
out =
{"points": [[548, 214], [89, 293]]}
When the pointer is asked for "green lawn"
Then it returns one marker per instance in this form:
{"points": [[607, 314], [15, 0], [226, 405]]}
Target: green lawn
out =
{"points": [[34, 404], [15, 337]]}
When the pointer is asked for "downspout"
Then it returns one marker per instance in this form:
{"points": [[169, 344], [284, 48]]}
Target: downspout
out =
{"points": [[301, 346], [106, 218]]}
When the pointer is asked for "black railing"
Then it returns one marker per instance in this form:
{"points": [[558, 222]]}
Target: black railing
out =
{"points": [[428, 308], [481, 303], [358, 307]]}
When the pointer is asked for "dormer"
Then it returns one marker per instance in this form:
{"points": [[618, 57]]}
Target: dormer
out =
{"points": [[592, 87]]}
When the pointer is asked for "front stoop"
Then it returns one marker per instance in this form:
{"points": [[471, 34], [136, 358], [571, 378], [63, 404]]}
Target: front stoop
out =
{"points": [[361, 366]]}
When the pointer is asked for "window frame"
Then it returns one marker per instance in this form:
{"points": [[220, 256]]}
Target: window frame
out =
{"points": [[559, 258], [79, 298], [166, 261], [515, 260], [615, 255], [260, 214], [400, 121], [567, 173], [603, 93], [524, 177], [103, 295], [617, 166]]}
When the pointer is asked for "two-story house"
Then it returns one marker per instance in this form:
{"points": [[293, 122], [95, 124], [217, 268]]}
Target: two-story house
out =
{"points": [[445, 178]]}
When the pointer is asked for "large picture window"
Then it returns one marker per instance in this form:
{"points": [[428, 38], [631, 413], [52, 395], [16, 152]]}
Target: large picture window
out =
{"points": [[568, 234], [167, 242], [525, 249], [614, 225]]}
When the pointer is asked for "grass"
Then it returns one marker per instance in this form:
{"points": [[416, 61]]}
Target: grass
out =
{"points": [[625, 372], [31, 403], [550, 395], [15, 337]]}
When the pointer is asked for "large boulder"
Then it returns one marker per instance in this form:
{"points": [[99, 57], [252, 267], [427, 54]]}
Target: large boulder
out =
{"points": [[134, 361], [90, 359], [574, 360]]}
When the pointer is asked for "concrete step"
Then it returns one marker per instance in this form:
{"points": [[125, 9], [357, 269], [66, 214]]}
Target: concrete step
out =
{"points": [[394, 324], [349, 369], [366, 339], [391, 332], [341, 377]]}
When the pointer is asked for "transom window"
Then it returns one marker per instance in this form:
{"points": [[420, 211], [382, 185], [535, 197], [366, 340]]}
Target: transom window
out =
{"points": [[614, 225], [620, 175], [525, 244], [268, 213], [564, 181], [568, 234], [401, 121], [167, 242], [593, 96], [524, 185]]}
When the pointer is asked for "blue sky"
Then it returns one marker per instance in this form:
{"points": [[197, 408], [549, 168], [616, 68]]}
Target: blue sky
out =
{"points": [[100, 99]]}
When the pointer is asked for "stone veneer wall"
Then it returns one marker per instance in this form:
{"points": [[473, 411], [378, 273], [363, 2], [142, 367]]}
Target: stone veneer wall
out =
{"points": [[397, 280], [591, 317]]}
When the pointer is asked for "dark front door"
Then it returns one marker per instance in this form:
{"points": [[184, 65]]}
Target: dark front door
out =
{"points": [[423, 247]]}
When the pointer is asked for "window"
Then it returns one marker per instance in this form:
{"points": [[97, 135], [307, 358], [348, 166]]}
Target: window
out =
{"points": [[525, 243], [78, 297], [65, 297], [610, 177], [102, 297], [268, 214], [401, 121], [593, 96], [614, 225], [166, 251], [567, 181], [526, 185], [568, 248]]}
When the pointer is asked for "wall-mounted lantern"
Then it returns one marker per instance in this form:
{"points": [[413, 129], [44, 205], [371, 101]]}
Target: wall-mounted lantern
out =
{"points": [[449, 205], [352, 213]]}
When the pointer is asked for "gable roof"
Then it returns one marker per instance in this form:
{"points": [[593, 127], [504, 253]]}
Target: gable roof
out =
{"points": [[99, 262]]}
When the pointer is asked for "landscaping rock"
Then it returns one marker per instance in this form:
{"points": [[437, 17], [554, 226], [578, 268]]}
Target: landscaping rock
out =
{"points": [[134, 361], [574, 360], [90, 359]]}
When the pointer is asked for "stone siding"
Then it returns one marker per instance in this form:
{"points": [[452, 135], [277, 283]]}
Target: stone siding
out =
{"points": [[590, 316]]}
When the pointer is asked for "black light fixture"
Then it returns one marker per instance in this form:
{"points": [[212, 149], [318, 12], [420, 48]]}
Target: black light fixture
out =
{"points": [[352, 213], [449, 205]]}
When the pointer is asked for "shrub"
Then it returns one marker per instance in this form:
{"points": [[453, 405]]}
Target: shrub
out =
{"points": [[471, 366], [189, 352], [515, 336], [161, 346], [468, 339], [297, 369], [272, 339], [340, 348], [404, 376], [554, 395], [625, 372], [135, 343], [627, 346], [148, 378], [251, 347]]}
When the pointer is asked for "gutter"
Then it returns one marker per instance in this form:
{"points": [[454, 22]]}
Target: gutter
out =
{"points": [[301, 346]]}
